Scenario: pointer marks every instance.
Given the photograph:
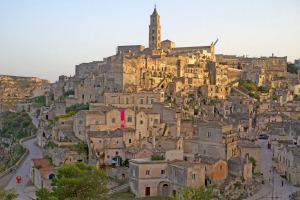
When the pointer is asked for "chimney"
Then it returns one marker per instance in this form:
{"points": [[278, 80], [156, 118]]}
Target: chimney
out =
{"points": [[247, 158], [178, 124], [153, 141]]}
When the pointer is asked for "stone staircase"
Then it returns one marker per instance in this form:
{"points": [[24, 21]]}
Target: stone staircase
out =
{"points": [[118, 189], [224, 186]]}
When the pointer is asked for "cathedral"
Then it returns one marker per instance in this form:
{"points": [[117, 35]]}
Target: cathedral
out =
{"points": [[135, 67]]}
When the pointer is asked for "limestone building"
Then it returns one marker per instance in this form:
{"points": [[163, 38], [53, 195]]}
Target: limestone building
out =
{"points": [[217, 140], [288, 162], [163, 178]]}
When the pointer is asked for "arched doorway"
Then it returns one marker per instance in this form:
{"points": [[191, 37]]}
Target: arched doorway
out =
{"points": [[51, 176], [165, 190]]}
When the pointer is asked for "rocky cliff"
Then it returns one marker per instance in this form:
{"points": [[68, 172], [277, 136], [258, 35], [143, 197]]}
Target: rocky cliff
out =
{"points": [[14, 89]]}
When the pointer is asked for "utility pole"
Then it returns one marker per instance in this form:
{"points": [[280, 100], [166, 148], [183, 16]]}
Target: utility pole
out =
{"points": [[273, 184]]}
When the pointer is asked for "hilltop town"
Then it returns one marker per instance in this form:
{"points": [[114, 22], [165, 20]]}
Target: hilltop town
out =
{"points": [[163, 117]]}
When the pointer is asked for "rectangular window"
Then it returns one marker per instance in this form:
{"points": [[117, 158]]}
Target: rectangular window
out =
{"points": [[155, 121], [129, 119], [113, 100], [221, 167], [147, 172], [152, 101], [194, 176], [127, 101], [208, 134], [113, 120], [117, 153], [162, 172], [141, 101], [141, 122], [129, 141]]}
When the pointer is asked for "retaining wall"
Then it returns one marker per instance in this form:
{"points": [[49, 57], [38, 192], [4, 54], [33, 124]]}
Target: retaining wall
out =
{"points": [[19, 163]]}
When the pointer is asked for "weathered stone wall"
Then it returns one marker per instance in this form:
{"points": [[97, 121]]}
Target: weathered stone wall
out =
{"points": [[118, 173], [254, 152], [86, 69]]}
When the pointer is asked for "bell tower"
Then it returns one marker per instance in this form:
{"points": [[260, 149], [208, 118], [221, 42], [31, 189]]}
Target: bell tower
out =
{"points": [[154, 31]]}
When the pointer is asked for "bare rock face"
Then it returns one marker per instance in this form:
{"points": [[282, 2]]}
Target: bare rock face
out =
{"points": [[14, 89]]}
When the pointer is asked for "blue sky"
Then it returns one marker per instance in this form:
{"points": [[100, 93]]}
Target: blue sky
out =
{"points": [[48, 38]]}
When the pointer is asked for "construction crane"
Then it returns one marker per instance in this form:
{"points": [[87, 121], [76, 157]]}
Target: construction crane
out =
{"points": [[216, 42]]}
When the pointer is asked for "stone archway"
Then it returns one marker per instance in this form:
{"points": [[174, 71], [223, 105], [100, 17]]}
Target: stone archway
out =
{"points": [[163, 189], [51, 176]]}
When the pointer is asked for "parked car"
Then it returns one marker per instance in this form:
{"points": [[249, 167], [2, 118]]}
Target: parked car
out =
{"points": [[263, 136]]}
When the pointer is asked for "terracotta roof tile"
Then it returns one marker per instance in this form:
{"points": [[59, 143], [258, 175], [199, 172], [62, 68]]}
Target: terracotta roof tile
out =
{"points": [[41, 161]]}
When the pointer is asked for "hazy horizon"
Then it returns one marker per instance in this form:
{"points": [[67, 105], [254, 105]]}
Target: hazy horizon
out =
{"points": [[46, 39]]}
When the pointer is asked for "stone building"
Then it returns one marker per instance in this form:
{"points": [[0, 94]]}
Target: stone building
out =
{"points": [[84, 70], [212, 91], [83, 119], [247, 148], [273, 66], [255, 74], [84, 91], [217, 139], [288, 162], [170, 116], [140, 99], [42, 173], [185, 174], [215, 169], [163, 178], [239, 167], [155, 66], [265, 119], [148, 178], [109, 147], [145, 122], [62, 156]]}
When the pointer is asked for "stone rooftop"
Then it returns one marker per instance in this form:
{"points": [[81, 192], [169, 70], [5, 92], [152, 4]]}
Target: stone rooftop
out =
{"points": [[295, 150], [247, 144], [208, 160], [182, 163]]}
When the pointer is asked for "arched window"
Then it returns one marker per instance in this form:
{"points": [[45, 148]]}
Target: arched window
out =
{"points": [[51, 176]]}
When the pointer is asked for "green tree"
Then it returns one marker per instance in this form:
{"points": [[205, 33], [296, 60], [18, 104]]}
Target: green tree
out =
{"points": [[254, 162], [7, 194], [264, 89], [190, 193], [80, 181], [292, 68], [44, 194]]}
